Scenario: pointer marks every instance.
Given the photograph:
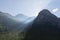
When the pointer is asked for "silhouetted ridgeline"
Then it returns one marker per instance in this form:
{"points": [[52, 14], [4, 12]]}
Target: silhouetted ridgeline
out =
{"points": [[46, 26]]}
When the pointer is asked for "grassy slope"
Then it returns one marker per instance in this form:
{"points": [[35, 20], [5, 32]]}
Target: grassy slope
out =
{"points": [[9, 35]]}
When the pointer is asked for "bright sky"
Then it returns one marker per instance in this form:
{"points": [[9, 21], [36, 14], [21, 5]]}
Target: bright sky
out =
{"points": [[29, 7], [55, 10]]}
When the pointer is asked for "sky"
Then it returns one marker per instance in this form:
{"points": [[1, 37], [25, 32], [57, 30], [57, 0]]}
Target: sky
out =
{"points": [[29, 7]]}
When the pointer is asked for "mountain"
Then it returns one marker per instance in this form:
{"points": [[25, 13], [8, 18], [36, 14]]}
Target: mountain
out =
{"points": [[10, 23], [21, 17], [46, 15], [45, 26], [15, 23]]}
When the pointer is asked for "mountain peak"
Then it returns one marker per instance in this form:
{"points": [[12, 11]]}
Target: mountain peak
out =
{"points": [[45, 15], [45, 12], [20, 15], [5, 14]]}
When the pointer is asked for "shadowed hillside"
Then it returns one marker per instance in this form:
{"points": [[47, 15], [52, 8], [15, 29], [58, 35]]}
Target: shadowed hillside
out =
{"points": [[44, 27]]}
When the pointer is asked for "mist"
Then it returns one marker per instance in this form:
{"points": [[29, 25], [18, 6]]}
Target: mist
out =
{"points": [[29, 19]]}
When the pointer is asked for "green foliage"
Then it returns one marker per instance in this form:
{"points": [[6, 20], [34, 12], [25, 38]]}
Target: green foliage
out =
{"points": [[3, 28], [5, 35], [9, 36]]}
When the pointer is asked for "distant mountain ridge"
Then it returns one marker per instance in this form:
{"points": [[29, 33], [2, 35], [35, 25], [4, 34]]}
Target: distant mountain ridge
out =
{"points": [[8, 21], [21, 17], [14, 23]]}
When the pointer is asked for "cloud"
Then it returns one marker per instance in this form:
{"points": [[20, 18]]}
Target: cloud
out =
{"points": [[27, 7], [38, 5], [55, 10]]}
